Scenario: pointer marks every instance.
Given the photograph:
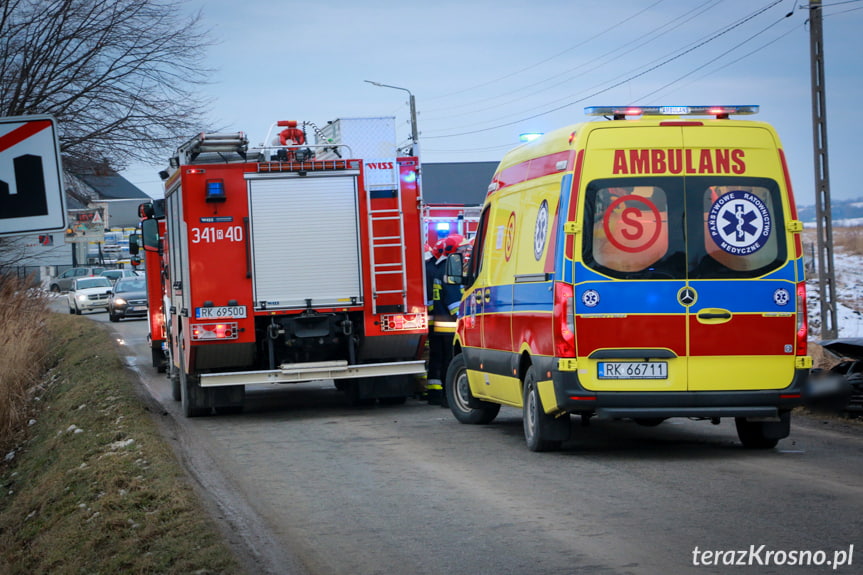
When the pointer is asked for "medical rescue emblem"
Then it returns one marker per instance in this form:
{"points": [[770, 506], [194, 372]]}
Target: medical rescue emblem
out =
{"points": [[540, 232], [781, 297], [739, 223], [590, 298]]}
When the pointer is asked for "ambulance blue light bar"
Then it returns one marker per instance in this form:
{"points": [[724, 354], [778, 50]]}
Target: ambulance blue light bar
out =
{"points": [[619, 112]]}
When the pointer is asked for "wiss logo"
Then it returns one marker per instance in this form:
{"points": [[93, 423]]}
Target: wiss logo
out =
{"points": [[379, 165]]}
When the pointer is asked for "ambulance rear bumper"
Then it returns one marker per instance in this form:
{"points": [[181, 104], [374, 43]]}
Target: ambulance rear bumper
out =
{"points": [[768, 404]]}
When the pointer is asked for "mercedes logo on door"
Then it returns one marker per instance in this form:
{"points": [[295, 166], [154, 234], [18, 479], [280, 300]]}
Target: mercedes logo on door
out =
{"points": [[687, 296]]}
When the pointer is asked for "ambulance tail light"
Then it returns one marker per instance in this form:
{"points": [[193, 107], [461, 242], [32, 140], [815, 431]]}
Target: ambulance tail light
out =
{"points": [[214, 331], [564, 320], [802, 320]]}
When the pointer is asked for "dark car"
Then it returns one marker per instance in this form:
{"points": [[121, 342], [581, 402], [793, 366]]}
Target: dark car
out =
{"points": [[128, 299]]}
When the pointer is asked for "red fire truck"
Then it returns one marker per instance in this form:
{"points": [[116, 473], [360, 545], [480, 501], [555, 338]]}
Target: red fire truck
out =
{"points": [[288, 263]]}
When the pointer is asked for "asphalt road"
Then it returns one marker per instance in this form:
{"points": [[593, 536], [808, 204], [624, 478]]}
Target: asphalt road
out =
{"points": [[304, 483]]}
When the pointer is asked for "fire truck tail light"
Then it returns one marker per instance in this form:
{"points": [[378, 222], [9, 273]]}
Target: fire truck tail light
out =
{"points": [[403, 321], [214, 331]]}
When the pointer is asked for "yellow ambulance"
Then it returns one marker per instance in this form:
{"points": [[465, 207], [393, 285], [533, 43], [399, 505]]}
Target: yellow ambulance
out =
{"points": [[641, 267]]}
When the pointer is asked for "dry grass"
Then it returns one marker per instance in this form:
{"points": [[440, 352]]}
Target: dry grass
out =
{"points": [[91, 486], [23, 351], [846, 239]]}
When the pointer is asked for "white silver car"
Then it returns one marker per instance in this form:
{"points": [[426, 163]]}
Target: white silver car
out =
{"points": [[89, 293]]}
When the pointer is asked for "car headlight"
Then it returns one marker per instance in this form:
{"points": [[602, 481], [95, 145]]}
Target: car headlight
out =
{"points": [[119, 301], [81, 297]]}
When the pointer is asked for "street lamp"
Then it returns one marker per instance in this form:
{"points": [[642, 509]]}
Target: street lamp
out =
{"points": [[414, 135]]}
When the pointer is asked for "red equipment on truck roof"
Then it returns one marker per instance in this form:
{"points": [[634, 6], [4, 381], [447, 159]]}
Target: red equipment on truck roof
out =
{"points": [[291, 262]]}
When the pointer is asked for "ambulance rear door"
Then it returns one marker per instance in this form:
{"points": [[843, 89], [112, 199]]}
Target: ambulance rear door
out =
{"points": [[631, 328], [742, 324], [684, 281]]}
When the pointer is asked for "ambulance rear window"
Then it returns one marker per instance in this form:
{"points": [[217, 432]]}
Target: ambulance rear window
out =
{"points": [[630, 229], [742, 234], [694, 227]]}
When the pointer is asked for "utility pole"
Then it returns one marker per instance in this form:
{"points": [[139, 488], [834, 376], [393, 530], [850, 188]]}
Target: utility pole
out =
{"points": [[823, 212], [415, 141]]}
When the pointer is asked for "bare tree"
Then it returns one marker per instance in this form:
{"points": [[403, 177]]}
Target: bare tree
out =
{"points": [[118, 75]]}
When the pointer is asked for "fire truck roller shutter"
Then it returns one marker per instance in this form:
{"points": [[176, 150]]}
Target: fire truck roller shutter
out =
{"points": [[305, 240]]}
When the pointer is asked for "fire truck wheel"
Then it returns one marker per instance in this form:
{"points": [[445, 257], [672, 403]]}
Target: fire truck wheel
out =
{"points": [[464, 406], [175, 385], [752, 436], [542, 432], [191, 395], [355, 389]]}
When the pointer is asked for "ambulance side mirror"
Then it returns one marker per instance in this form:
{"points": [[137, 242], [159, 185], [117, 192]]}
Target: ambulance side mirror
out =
{"points": [[454, 274]]}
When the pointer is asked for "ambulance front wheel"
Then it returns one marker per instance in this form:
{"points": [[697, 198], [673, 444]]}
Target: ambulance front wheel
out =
{"points": [[464, 406], [542, 432]]}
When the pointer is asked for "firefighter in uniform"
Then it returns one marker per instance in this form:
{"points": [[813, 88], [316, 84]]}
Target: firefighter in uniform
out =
{"points": [[445, 301]]}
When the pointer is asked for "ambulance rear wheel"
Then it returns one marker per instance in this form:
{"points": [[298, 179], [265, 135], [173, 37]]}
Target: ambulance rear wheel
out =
{"points": [[542, 432], [752, 434], [464, 406]]}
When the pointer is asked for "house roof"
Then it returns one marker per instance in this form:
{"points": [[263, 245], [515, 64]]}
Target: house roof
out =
{"points": [[113, 187]]}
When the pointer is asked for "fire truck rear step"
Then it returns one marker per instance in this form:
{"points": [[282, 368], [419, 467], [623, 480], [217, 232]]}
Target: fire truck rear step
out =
{"points": [[312, 371]]}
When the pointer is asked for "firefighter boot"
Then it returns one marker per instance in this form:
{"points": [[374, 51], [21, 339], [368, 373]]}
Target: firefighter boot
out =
{"points": [[434, 391]]}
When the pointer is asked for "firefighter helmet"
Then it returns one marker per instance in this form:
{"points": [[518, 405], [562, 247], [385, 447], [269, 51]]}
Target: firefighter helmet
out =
{"points": [[447, 246]]}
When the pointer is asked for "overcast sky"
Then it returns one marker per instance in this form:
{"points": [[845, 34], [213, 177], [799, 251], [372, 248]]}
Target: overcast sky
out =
{"points": [[483, 72]]}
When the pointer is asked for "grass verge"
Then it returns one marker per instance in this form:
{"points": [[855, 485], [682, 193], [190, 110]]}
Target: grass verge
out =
{"points": [[91, 486]]}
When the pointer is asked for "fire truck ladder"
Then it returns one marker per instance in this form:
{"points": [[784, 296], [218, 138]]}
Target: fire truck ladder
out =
{"points": [[379, 242]]}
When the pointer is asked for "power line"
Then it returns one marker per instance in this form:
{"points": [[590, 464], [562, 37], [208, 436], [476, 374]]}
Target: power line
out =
{"points": [[598, 62], [573, 47], [722, 55], [621, 82]]}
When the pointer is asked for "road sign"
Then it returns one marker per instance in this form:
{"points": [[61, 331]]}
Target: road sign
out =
{"points": [[31, 180], [86, 226]]}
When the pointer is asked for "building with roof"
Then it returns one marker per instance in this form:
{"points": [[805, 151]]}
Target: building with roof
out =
{"points": [[88, 187]]}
